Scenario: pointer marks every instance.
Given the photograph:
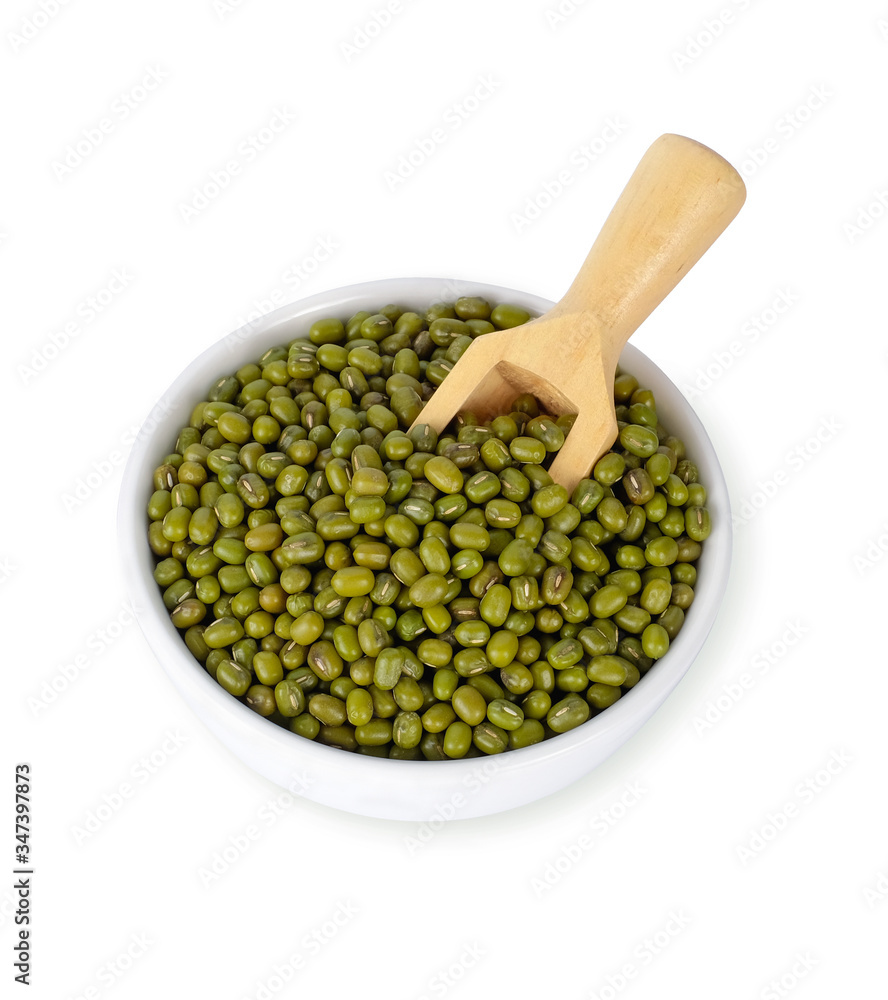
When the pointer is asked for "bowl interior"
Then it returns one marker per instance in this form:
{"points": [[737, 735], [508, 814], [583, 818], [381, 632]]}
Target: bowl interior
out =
{"points": [[407, 790]]}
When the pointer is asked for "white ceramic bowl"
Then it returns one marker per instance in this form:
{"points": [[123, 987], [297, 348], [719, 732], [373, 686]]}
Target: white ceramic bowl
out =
{"points": [[393, 789]]}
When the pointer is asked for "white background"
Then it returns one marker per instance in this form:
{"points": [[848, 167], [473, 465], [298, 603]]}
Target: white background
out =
{"points": [[693, 891]]}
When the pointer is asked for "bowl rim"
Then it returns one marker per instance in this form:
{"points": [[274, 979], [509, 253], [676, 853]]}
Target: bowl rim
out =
{"points": [[226, 715]]}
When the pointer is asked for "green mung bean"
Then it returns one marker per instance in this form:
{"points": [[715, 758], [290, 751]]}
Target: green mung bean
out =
{"points": [[320, 555]]}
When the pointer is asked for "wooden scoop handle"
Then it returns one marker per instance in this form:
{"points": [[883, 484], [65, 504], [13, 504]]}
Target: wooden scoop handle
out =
{"points": [[680, 198]]}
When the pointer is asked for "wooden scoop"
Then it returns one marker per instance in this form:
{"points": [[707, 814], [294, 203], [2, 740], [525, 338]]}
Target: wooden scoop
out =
{"points": [[680, 198]]}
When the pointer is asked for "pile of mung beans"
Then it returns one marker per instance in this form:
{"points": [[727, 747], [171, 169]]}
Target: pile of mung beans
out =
{"points": [[411, 595]]}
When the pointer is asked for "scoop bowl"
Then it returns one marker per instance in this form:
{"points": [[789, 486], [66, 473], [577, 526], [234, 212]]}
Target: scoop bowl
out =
{"points": [[396, 789]]}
